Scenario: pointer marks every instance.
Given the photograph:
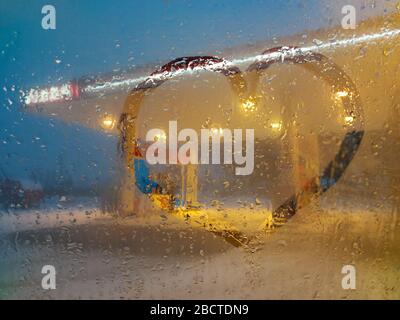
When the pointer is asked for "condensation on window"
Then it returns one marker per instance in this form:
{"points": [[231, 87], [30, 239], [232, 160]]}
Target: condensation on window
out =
{"points": [[199, 150]]}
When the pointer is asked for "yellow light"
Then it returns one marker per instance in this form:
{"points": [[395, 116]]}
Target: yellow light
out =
{"points": [[249, 105], [161, 137], [349, 120], [342, 94], [217, 130], [276, 126], [108, 122]]}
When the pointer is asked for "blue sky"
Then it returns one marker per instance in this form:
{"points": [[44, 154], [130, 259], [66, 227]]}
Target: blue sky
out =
{"points": [[98, 36]]}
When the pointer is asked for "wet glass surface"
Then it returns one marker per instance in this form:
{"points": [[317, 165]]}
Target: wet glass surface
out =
{"points": [[302, 102]]}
